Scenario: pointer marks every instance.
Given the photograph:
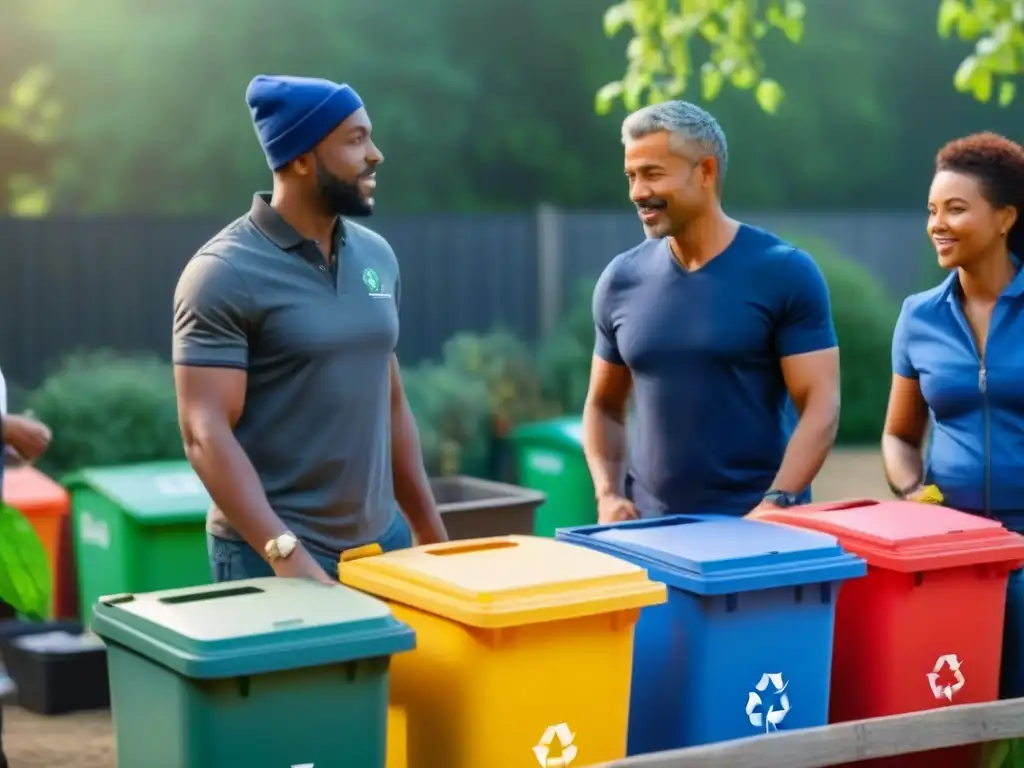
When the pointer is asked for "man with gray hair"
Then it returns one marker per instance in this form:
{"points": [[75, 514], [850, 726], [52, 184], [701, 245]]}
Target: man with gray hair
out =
{"points": [[718, 329]]}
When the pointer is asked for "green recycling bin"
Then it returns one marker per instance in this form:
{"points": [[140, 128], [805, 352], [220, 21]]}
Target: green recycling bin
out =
{"points": [[549, 458], [263, 673], [138, 528]]}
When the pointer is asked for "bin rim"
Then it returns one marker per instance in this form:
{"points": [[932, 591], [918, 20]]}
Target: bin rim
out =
{"points": [[506, 494], [83, 479], [602, 585], [552, 431], [956, 539], [826, 562], [277, 650], [60, 493]]}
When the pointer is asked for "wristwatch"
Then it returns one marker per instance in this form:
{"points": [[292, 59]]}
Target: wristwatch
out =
{"points": [[781, 499], [281, 547]]}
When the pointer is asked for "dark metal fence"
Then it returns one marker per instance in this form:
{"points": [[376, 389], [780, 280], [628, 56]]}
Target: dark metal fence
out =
{"points": [[68, 284]]}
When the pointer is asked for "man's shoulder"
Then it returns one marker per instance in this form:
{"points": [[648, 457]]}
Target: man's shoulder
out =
{"points": [[773, 249], [238, 236], [776, 263], [629, 265], [361, 236]]}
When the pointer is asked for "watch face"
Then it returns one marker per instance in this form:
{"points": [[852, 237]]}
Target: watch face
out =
{"points": [[780, 498]]}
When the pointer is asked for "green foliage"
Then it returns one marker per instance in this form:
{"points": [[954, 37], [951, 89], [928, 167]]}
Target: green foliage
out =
{"points": [[507, 369], [105, 409], [26, 583], [996, 27], [864, 316], [564, 356], [661, 60], [484, 386], [452, 414], [32, 115]]}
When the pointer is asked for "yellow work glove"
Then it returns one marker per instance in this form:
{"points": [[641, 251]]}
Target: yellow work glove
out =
{"points": [[928, 494]]}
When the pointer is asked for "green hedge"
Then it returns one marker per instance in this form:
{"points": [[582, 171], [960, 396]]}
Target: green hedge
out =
{"points": [[864, 316], [106, 409]]}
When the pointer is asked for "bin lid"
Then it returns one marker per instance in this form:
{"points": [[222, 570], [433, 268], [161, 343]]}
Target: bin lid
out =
{"points": [[33, 493], [566, 432], [251, 627], [908, 536], [503, 581], [717, 555], [153, 493]]}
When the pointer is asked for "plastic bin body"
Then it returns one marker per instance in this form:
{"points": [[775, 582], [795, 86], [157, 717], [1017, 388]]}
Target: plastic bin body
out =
{"points": [[933, 601], [515, 636], [139, 528], [1011, 684], [549, 458], [274, 672], [58, 672], [747, 628], [47, 506], [473, 508]]}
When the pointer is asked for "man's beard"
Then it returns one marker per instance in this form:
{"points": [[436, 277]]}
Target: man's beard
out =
{"points": [[340, 197]]}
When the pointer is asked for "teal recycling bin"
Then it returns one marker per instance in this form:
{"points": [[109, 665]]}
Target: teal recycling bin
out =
{"points": [[263, 672]]}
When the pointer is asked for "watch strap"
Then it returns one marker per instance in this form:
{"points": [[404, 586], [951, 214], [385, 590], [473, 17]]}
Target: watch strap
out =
{"points": [[781, 498]]}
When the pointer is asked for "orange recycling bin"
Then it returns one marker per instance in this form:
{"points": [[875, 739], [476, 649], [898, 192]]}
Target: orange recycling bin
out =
{"points": [[924, 628], [47, 506]]}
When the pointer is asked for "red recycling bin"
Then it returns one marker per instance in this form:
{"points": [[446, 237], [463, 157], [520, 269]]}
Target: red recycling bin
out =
{"points": [[924, 628]]}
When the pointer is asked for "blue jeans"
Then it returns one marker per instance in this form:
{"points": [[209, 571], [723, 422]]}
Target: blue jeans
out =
{"points": [[234, 560]]}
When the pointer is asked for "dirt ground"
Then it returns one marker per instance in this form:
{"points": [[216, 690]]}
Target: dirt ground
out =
{"points": [[86, 740]]}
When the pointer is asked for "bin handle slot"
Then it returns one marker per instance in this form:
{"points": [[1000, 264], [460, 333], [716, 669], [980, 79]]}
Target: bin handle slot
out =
{"points": [[837, 506], [196, 597], [479, 546]]}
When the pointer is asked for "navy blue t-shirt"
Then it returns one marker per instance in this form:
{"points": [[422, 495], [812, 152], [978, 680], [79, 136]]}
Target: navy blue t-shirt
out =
{"points": [[712, 416]]}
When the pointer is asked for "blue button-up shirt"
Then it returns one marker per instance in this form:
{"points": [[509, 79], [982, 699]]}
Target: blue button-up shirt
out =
{"points": [[976, 402]]}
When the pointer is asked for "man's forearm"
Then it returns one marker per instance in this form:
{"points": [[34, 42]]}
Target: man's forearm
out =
{"points": [[604, 446], [808, 448], [412, 487], [232, 482]]}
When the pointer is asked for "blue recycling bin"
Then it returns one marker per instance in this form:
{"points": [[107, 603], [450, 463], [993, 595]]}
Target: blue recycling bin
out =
{"points": [[744, 644]]}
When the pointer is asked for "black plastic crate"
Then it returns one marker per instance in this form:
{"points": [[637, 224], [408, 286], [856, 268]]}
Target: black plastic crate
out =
{"points": [[56, 673], [472, 508], [12, 629]]}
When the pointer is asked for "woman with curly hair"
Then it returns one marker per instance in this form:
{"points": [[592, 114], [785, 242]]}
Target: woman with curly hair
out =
{"points": [[957, 356]]}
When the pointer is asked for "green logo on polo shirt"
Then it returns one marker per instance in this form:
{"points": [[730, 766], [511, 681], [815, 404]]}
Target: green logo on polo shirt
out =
{"points": [[372, 280]]}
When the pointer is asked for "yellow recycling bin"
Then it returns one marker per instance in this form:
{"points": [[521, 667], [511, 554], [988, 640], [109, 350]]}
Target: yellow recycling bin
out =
{"points": [[523, 649]]}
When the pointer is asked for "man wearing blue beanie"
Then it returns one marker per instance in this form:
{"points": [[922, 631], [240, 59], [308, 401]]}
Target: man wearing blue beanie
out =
{"points": [[285, 327]]}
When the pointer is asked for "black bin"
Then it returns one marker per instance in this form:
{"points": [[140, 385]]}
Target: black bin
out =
{"points": [[472, 508], [58, 672]]}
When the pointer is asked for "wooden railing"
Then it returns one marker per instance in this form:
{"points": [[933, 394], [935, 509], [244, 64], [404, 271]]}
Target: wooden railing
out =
{"points": [[849, 742]]}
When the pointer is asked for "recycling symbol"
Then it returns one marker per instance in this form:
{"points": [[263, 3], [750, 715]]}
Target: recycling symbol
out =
{"points": [[771, 718], [543, 749], [944, 667]]}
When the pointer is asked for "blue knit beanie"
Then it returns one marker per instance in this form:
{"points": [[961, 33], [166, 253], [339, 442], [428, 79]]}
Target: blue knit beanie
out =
{"points": [[294, 114]]}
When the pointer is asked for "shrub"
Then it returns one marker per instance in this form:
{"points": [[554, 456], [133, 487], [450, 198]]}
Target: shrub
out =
{"points": [[564, 356], [452, 413], [864, 316], [507, 369], [107, 409]]}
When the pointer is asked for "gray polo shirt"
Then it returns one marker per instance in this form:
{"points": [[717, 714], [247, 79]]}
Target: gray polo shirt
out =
{"points": [[316, 343]]}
